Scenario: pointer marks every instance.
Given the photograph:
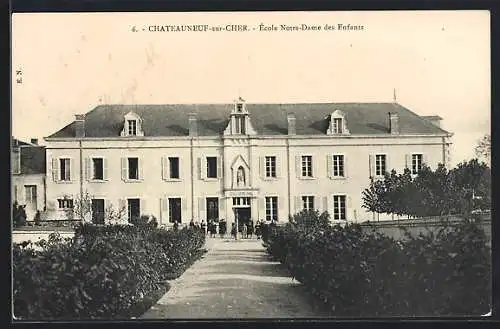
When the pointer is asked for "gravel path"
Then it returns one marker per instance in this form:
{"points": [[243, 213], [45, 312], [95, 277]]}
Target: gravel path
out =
{"points": [[235, 279]]}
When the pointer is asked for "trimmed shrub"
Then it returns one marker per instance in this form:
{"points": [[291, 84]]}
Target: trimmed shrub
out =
{"points": [[103, 272], [368, 274]]}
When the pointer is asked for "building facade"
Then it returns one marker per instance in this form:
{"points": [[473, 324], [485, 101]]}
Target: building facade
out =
{"points": [[254, 161], [28, 176]]}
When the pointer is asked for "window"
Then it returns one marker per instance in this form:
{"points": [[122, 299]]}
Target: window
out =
{"points": [[272, 208], [65, 203], [240, 124], [339, 211], [133, 168], [134, 210], [65, 170], [211, 167], [308, 202], [97, 211], [307, 166], [245, 201], [30, 194], [174, 210], [212, 208], [174, 167], [337, 126], [239, 107], [270, 166], [416, 163], [380, 163], [98, 168], [132, 127], [338, 165]]}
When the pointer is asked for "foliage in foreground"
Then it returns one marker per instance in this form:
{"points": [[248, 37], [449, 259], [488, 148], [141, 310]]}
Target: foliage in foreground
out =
{"points": [[357, 273], [103, 272]]}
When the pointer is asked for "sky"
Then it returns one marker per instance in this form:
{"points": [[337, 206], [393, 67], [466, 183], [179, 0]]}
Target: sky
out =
{"points": [[437, 61]]}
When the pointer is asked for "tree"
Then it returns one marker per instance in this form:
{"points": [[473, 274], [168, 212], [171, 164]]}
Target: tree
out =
{"points": [[483, 148], [373, 197], [82, 208]]}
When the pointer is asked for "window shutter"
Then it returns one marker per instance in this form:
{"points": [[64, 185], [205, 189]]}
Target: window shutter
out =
{"points": [[143, 210], [371, 165], [219, 167], [387, 164], [55, 169], [71, 169], [141, 169], [184, 209], [314, 166], [201, 170], [164, 168], [181, 173], [329, 165], [325, 203], [122, 207], [425, 160], [278, 167], [105, 169], [297, 166], [262, 208], [262, 168], [298, 205], [201, 208], [163, 210], [124, 168], [88, 173], [345, 166], [408, 161], [222, 208], [279, 207]]}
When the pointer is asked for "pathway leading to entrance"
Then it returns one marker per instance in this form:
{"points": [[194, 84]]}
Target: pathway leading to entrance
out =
{"points": [[235, 279]]}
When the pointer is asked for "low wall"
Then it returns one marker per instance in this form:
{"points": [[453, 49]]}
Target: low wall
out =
{"points": [[34, 236], [396, 228]]}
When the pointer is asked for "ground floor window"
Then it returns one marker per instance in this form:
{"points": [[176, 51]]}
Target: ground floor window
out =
{"points": [[174, 210], [308, 202], [339, 208], [272, 208], [212, 208], [65, 203], [98, 211], [134, 210]]}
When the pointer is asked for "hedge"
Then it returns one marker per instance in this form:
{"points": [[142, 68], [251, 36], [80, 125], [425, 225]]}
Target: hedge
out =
{"points": [[358, 273], [102, 272]]}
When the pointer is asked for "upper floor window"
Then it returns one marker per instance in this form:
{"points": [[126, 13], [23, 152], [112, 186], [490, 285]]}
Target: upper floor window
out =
{"points": [[307, 166], [64, 169], [380, 164], [416, 163], [211, 167], [98, 168], [133, 168], [270, 166], [308, 202], [173, 163], [132, 127], [338, 165]]}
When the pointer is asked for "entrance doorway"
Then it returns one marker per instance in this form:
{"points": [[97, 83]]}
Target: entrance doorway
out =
{"points": [[31, 200], [244, 215], [98, 211]]}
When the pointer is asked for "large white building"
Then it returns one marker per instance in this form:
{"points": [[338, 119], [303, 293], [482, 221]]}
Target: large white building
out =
{"points": [[259, 161]]}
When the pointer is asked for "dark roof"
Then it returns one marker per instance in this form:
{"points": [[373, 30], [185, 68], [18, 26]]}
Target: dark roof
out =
{"points": [[267, 119], [17, 142]]}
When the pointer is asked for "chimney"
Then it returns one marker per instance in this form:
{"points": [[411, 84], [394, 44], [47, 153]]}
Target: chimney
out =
{"points": [[80, 125], [34, 141], [291, 124], [393, 123], [193, 125], [434, 119]]}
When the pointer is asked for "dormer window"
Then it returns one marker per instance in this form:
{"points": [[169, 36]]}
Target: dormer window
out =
{"points": [[239, 122], [338, 124], [239, 107], [132, 127]]}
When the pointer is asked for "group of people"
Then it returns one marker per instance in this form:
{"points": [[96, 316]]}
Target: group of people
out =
{"points": [[247, 230]]}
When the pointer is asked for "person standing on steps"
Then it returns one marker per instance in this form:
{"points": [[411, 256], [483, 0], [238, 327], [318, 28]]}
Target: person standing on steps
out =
{"points": [[204, 226], [244, 231]]}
